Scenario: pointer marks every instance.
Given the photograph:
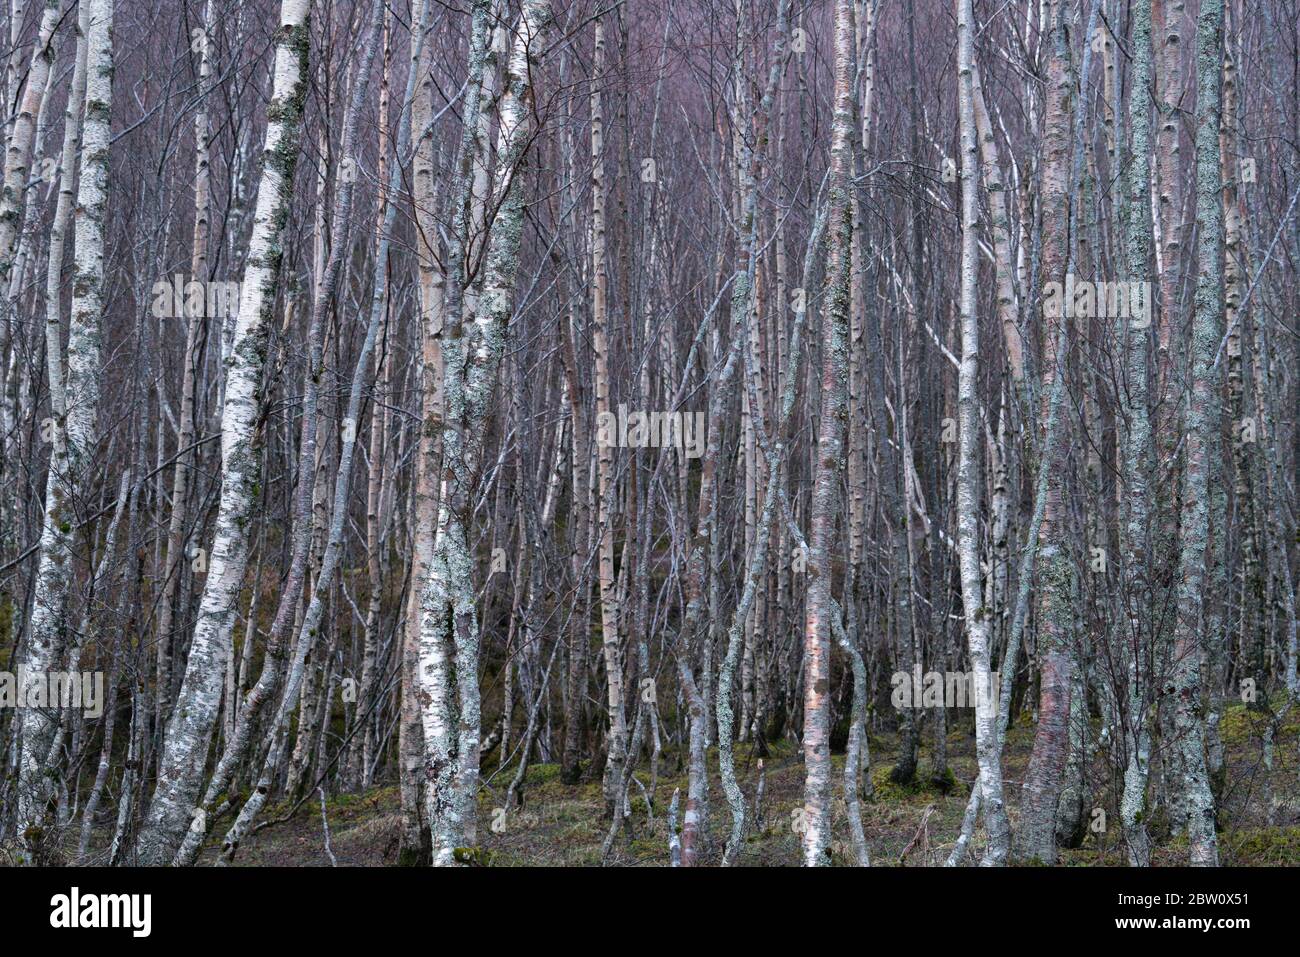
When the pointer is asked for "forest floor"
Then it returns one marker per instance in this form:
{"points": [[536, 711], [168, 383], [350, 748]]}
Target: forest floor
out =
{"points": [[911, 825]]}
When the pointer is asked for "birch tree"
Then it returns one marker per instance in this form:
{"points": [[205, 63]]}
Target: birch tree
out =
{"points": [[968, 479], [180, 769], [74, 396], [830, 440], [1201, 443], [1135, 637], [448, 630]]}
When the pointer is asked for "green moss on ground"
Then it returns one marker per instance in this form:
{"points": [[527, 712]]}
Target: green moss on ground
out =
{"points": [[908, 825]]}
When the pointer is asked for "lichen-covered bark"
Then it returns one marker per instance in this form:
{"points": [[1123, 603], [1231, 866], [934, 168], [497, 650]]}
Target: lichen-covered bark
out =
{"points": [[19, 139], [1036, 838], [309, 517], [1202, 419], [741, 308], [428, 454], [189, 731], [1133, 631], [74, 398], [449, 640], [830, 456], [970, 435], [856, 755]]}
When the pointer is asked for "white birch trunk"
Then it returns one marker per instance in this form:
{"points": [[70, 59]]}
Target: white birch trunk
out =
{"points": [[448, 626], [185, 747], [1201, 442], [968, 472], [73, 399], [830, 456], [19, 142]]}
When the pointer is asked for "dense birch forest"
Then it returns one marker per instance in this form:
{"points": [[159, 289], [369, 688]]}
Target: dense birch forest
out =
{"points": [[662, 432]]}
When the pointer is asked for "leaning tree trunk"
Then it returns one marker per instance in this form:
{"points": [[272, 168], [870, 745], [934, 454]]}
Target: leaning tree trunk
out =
{"points": [[24, 132], [73, 399], [173, 570], [19, 140], [185, 746], [313, 614]]}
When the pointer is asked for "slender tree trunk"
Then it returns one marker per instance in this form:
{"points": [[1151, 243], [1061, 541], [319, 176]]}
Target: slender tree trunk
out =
{"points": [[1201, 443], [195, 333], [74, 400], [977, 614], [830, 440], [185, 747], [609, 610], [18, 142], [1037, 828], [1134, 633], [448, 600]]}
